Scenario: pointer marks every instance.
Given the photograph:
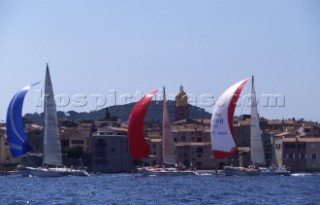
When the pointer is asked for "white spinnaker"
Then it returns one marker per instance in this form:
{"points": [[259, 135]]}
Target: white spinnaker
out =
{"points": [[222, 140]]}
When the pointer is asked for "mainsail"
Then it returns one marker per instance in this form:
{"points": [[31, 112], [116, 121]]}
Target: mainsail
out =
{"points": [[51, 139], [222, 133], [18, 141], [138, 146], [168, 146], [256, 145]]}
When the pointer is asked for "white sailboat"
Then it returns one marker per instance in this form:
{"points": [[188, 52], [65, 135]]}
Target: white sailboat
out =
{"points": [[222, 134], [18, 142]]}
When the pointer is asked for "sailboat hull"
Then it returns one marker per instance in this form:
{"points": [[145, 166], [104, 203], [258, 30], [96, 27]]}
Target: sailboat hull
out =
{"points": [[242, 171], [50, 172], [145, 171]]}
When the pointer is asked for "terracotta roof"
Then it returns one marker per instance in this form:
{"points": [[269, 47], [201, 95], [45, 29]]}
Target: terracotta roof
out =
{"points": [[113, 128], [283, 134], [190, 128]]}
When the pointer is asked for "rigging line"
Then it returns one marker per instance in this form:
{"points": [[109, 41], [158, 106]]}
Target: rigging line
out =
{"points": [[258, 99]]}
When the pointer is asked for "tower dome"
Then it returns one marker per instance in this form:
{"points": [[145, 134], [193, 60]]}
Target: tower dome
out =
{"points": [[181, 98], [182, 108]]}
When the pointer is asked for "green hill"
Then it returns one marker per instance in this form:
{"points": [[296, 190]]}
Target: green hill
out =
{"points": [[154, 112]]}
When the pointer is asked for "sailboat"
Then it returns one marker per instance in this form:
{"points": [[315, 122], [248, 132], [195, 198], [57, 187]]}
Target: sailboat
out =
{"points": [[222, 134], [18, 142], [139, 148]]}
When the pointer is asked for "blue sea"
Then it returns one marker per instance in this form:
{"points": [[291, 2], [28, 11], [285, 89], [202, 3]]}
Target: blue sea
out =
{"points": [[134, 189]]}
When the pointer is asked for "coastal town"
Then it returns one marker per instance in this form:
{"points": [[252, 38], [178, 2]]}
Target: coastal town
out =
{"points": [[101, 146], [158, 102]]}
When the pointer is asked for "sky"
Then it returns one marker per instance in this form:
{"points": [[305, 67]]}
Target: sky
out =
{"points": [[105, 52]]}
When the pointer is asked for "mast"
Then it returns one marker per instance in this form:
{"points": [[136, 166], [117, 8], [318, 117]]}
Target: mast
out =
{"points": [[51, 139], [257, 151], [168, 145]]}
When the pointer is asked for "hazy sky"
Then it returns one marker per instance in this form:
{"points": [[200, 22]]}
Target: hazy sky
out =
{"points": [[94, 47]]}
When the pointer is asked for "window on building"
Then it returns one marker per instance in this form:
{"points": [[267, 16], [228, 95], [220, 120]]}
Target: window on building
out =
{"points": [[100, 149], [154, 145], [301, 146], [313, 156], [77, 141], [290, 156], [182, 113], [268, 155], [278, 146], [302, 155], [307, 130], [100, 141], [200, 149], [199, 139], [183, 137]]}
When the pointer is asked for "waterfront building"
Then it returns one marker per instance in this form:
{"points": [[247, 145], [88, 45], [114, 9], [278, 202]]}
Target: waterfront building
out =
{"points": [[110, 123], [78, 136], [110, 152], [35, 137], [193, 144], [5, 155], [302, 154], [154, 141]]}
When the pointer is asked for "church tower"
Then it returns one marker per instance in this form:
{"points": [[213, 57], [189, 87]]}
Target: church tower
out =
{"points": [[182, 108]]}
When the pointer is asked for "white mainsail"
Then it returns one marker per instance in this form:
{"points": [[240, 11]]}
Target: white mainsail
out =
{"points": [[256, 145], [51, 140], [168, 145]]}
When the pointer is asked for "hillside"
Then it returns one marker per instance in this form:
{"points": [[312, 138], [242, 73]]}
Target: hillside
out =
{"points": [[154, 113]]}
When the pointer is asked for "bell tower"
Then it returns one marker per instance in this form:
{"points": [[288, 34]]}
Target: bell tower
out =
{"points": [[182, 108]]}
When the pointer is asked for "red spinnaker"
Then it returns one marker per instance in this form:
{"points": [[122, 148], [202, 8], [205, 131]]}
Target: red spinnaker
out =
{"points": [[138, 146]]}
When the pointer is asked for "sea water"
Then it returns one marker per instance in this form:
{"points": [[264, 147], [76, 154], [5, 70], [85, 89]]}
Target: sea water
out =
{"points": [[135, 189]]}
